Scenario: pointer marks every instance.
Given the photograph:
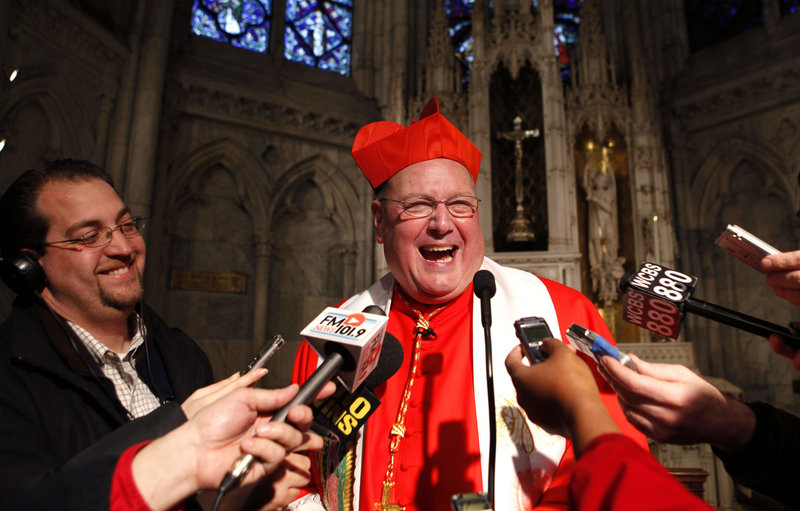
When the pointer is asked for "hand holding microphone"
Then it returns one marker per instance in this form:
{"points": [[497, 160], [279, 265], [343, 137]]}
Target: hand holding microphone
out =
{"points": [[351, 343]]}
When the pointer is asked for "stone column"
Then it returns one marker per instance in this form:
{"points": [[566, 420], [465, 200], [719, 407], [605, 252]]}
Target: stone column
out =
{"points": [[117, 153], [138, 188], [561, 186], [771, 11], [103, 122], [478, 124], [349, 259], [261, 289]]}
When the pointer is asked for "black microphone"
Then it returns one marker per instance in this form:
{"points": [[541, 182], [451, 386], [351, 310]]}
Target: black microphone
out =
{"points": [[657, 299], [343, 414], [351, 343], [484, 287]]}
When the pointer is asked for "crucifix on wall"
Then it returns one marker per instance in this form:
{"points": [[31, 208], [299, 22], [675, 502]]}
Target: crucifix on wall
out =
{"points": [[520, 228]]}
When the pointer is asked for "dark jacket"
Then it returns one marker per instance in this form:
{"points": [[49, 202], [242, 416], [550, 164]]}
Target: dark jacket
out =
{"points": [[768, 463], [61, 425]]}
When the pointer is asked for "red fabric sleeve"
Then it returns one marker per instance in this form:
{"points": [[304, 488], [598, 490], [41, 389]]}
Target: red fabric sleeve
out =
{"points": [[125, 495], [615, 474]]}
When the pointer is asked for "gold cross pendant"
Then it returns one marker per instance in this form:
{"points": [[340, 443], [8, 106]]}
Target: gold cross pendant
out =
{"points": [[384, 504]]}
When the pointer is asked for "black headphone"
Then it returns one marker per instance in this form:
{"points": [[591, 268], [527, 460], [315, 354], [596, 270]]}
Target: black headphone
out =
{"points": [[22, 272], [25, 276]]}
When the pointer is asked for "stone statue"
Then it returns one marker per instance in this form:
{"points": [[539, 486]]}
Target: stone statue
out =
{"points": [[605, 264]]}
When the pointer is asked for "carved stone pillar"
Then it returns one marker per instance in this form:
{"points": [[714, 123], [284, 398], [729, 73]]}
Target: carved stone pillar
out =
{"points": [[478, 125], [117, 152], [349, 259], [102, 127], [263, 250], [147, 107]]}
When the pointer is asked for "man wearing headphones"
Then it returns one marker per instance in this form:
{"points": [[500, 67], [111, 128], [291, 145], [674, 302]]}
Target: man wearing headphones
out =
{"points": [[80, 355]]}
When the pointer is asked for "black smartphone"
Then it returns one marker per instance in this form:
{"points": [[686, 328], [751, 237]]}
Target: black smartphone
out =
{"points": [[263, 356], [531, 331]]}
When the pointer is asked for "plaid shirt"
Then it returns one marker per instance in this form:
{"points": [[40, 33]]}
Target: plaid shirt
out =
{"points": [[132, 391]]}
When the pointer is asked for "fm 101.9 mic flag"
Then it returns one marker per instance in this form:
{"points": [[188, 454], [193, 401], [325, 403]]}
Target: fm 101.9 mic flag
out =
{"points": [[350, 342], [657, 298], [343, 414]]}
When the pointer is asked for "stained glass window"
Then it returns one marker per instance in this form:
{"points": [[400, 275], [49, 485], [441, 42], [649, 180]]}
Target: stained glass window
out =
{"points": [[567, 22], [789, 7], [712, 21], [566, 31], [242, 23], [318, 34], [458, 14]]}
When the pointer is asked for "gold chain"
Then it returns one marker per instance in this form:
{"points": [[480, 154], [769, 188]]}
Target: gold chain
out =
{"points": [[421, 330]]}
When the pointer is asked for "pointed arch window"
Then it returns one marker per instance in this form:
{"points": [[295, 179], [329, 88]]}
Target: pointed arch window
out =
{"points": [[567, 21], [459, 14], [318, 34], [241, 23]]}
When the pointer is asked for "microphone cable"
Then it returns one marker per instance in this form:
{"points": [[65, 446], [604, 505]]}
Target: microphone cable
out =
{"points": [[484, 287]]}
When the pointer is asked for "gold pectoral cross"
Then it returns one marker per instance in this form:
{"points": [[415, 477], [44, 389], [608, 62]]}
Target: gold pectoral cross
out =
{"points": [[384, 504]]}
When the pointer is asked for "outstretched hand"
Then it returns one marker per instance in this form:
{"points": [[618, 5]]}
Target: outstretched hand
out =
{"points": [[672, 404], [204, 396], [198, 454]]}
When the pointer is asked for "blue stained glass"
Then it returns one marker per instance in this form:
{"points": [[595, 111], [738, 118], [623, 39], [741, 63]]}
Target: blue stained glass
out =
{"points": [[459, 14], [789, 7], [458, 8], [567, 22], [203, 25], [464, 51], [712, 21], [254, 39], [241, 23], [318, 34]]}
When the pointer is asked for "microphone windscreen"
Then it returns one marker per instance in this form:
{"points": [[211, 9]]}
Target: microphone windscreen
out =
{"points": [[374, 309], [625, 282], [483, 284], [389, 361]]}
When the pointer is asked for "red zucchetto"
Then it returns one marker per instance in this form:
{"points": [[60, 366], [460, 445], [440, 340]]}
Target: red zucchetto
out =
{"points": [[383, 148]]}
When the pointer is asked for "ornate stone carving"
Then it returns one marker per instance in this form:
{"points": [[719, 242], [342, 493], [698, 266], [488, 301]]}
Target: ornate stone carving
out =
{"points": [[512, 38], [243, 110], [66, 34], [763, 88], [663, 352]]}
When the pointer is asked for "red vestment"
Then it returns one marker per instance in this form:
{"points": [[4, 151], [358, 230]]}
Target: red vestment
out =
{"points": [[440, 454]]}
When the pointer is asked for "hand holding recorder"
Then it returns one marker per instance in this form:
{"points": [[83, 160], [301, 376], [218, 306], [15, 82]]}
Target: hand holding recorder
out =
{"points": [[783, 275], [560, 394]]}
